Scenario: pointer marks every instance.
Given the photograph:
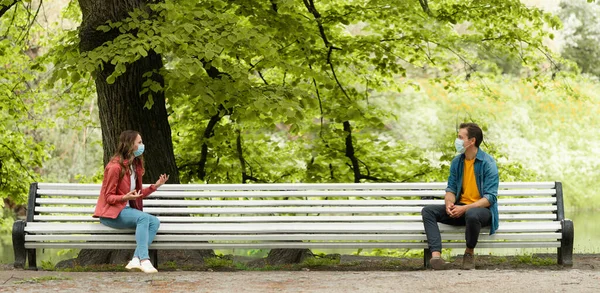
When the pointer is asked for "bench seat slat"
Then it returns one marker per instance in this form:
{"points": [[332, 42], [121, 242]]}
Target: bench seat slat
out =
{"points": [[276, 219], [287, 210], [266, 203], [294, 237], [245, 228], [271, 245]]}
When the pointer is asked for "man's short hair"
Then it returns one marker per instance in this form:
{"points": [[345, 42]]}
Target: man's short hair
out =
{"points": [[473, 130]]}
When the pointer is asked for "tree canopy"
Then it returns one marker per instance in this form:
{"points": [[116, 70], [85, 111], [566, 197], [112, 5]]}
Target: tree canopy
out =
{"points": [[279, 90]]}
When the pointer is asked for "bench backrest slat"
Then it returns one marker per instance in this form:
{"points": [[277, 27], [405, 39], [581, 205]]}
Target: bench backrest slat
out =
{"points": [[266, 203]]}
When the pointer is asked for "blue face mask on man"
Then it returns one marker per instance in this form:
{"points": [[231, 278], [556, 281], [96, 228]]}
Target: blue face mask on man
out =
{"points": [[459, 144], [139, 151]]}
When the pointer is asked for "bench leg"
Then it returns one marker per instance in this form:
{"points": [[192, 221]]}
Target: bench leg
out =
{"points": [[426, 257], [154, 257], [18, 238], [32, 259], [565, 251]]}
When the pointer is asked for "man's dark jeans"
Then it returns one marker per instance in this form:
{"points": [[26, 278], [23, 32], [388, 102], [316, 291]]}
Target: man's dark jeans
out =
{"points": [[473, 219]]}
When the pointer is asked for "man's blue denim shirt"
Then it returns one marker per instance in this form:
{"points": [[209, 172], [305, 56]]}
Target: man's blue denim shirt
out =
{"points": [[486, 176]]}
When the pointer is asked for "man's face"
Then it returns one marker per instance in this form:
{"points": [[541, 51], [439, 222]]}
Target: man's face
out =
{"points": [[464, 136]]}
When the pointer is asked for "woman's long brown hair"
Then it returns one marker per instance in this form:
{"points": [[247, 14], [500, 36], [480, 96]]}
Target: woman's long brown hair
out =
{"points": [[125, 151]]}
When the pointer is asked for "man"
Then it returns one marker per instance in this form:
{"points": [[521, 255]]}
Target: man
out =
{"points": [[470, 198]]}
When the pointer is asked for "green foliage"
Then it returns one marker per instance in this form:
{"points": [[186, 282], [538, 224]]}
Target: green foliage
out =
{"points": [[404, 253], [534, 260], [312, 262], [280, 78], [48, 265], [21, 108], [582, 34], [42, 121], [218, 262]]}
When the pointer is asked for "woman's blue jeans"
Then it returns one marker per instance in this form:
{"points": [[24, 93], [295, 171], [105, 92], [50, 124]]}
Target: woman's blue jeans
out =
{"points": [[145, 225]]}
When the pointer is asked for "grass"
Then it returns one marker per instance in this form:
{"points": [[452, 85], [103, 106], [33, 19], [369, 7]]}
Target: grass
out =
{"points": [[244, 267], [42, 279], [312, 262], [533, 260], [217, 263], [328, 262]]}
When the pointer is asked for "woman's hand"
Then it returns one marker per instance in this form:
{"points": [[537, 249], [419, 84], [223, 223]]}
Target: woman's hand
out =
{"points": [[163, 178], [131, 195]]}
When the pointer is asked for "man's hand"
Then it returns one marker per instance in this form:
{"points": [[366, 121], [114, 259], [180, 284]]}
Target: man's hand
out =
{"points": [[458, 211], [449, 207], [449, 199], [163, 178], [131, 195]]}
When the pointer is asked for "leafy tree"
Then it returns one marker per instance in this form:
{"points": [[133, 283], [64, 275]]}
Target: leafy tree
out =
{"points": [[582, 34], [21, 105]]}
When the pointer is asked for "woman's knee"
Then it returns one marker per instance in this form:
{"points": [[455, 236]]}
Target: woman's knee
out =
{"points": [[154, 220]]}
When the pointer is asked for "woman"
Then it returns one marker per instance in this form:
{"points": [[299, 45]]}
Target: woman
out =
{"points": [[120, 202]]}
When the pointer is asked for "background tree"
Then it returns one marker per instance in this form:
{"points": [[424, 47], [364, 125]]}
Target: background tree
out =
{"points": [[581, 34]]}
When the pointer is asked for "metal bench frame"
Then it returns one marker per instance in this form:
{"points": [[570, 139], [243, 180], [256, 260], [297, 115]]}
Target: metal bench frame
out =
{"points": [[303, 215]]}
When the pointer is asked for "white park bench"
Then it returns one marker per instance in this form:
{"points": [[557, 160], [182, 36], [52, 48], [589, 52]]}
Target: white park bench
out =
{"points": [[267, 216]]}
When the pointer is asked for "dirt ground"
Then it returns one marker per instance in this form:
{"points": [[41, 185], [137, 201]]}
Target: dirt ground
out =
{"points": [[350, 274]]}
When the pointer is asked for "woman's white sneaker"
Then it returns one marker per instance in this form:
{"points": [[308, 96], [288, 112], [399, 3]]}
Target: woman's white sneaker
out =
{"points": [[134, 264], [147, 267]]}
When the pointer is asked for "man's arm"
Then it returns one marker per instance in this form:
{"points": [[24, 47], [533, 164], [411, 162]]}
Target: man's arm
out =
{"points": [[481, 203]]}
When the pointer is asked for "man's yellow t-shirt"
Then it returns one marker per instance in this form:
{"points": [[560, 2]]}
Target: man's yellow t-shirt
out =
{"points": [[469, 193]]}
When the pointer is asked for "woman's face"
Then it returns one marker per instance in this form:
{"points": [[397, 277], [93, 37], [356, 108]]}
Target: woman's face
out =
{"points": [[137, 142]]}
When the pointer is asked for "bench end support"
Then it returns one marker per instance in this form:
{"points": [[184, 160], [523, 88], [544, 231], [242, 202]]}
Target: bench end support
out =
{"points": [[154, 257], [18, 238], [426, 257], [565, 251]]}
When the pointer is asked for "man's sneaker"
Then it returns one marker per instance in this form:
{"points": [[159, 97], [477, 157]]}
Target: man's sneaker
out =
{"points": [[437, 263], [146, 267], [134, 264], [468, 261]]}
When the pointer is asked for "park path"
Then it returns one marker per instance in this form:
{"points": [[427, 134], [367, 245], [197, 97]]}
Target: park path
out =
{"points": [[568, 280]]}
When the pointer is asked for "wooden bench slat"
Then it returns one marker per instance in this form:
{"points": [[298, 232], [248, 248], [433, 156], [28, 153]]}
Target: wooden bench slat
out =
{"points": [[248, 228], [266, 203], [288, 237], [299, 186], [276, 219], [309, 245], [308, 193], [287, 210]]}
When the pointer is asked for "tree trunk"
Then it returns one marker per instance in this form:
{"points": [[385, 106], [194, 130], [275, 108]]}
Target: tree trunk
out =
{"points": [[121, 107], [287, 256]]}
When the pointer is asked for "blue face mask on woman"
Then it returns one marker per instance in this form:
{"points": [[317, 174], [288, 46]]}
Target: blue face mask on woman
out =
{"points": [[139, 151]]}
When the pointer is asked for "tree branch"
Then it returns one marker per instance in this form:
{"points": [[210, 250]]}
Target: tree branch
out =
{"points": [[245, 176], [37, 12], [350, 152], [425, 7], [208, 133], [262, 77], [4, 9], [310, 5], [274, 6], [18, 159]]}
